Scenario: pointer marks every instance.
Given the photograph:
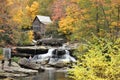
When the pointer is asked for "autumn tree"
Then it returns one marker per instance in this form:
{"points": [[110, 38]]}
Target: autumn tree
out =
{"points": [[11, 20], [93, 16], [98, 56], [115, 17], [15, 10], [58, 9], [3, 14], [32, 10], [69, 23], [5, 29]]}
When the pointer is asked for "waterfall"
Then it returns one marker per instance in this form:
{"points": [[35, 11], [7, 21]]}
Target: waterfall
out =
{"points": [[43, 57], [54, 57], [72, 59]]}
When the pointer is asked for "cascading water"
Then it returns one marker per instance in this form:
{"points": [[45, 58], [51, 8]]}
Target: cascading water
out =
{"points": [[43, 57], [57, 57], [54, 57]]}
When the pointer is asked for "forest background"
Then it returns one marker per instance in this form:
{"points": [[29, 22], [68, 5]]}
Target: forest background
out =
{"points": [[94, 24], [74, 19]]}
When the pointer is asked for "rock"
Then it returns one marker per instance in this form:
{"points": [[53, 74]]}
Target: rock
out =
{"points": [[26, 51], [58, 62], [13, 64], [15, 71], [8, 79], [26, 63], [6, 74]]}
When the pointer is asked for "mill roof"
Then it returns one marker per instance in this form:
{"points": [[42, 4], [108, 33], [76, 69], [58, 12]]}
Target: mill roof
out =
{"points": [[44, 19]]}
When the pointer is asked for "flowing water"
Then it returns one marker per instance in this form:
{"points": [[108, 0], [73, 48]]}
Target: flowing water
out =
{"points": [[48, 75], [51, 74]]}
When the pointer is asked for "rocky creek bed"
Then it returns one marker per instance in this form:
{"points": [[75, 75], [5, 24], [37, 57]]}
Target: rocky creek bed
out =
{"points": [[14, 71]]}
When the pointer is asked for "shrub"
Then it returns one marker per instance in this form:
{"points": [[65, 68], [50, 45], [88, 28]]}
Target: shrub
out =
{"points": [[26, 38], [15, 59], [100, 61]]}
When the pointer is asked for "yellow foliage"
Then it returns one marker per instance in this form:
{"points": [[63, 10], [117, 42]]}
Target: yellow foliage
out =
{"points": [[18, 17], [114, 23], [33, 9], [76, 1], [101, 61], [9, 2], [66, 25], [30, 34], [73, 11]]}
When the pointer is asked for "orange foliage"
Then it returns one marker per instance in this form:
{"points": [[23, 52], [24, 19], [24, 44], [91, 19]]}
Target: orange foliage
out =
{"points": [[1, 57], [2, 30], [58, 9]]}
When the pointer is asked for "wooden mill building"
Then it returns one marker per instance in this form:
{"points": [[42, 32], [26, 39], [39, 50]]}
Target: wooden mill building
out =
{"points": [[39, 25]]}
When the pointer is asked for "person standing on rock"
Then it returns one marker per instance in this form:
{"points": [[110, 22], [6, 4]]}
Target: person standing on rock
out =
{"points": [[7, 55]]}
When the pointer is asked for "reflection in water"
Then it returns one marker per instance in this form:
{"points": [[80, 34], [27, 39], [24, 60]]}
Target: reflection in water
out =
{"points": [[49, 75]]}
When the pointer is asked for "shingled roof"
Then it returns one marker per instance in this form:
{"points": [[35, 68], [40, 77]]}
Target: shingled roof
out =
{"points": [[44, 19]]}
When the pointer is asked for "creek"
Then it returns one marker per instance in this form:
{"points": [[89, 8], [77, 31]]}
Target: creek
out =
{"points": [[49, 75], [55, 57]]}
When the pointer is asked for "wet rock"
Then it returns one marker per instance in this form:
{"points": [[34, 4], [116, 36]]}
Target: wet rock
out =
{"points": [[6, 74], [20, 71], [26, 63], [15, 71], [8, 79]]}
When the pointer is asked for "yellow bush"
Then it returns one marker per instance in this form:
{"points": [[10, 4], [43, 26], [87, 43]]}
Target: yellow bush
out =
{"points": [[101, 61], [31, 36]]}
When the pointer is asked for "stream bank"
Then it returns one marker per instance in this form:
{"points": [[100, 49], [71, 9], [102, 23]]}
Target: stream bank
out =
{"points": [[16, 71]]}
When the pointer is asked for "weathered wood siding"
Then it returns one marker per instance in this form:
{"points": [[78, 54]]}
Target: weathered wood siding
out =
{"points": [[38, 26], [43, 27]]}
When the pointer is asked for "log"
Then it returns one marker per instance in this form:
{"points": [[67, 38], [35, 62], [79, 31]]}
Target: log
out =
{"points": [[51, 41]]}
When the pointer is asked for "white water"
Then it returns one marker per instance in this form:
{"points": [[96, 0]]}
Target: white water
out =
{"points": [[64, 58]]}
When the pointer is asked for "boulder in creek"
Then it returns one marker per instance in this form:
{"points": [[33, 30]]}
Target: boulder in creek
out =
{"points": [[27, 63]]}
